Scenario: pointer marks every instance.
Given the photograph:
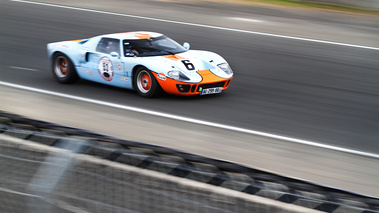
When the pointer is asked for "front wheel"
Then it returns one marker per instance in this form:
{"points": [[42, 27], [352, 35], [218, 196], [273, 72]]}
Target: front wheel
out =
{"points": [[63, 69], [145, 83]]}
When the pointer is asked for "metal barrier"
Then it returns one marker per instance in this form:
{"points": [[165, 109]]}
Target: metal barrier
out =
{"points": [[164, 160]]}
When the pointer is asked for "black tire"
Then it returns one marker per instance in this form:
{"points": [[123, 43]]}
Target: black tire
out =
{"points": [[145, 83], [63, 69]]}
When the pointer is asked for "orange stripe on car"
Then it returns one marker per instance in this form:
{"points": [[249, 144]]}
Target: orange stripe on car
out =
{"points": [[209, 77], [142, 35], [138, 35], [173, 57], [77, 40]]}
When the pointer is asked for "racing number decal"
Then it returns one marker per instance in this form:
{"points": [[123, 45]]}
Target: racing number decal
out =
{"points": [[188, 64], [105, 68]]}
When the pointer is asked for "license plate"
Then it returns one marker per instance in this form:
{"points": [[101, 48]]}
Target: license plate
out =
{"points": [[211, 91]]}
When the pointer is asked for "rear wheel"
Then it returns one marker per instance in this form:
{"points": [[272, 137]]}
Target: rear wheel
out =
{"points": [[145, 83], [63, 69]]}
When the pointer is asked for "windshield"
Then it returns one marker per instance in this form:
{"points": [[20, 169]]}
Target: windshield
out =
{"points": [[152, 47]]}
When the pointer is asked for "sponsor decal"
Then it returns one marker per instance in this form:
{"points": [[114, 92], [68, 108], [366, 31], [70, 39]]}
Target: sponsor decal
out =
{"points": [[161, 76], [86, 71], [123, 78], [117, 65], [105, 68]]}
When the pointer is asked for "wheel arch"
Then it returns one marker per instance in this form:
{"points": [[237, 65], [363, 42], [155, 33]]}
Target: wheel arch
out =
{"points": [[73, 58], [135, 68], [63, 53], [60, 52], [156, 90], [70, 77]]}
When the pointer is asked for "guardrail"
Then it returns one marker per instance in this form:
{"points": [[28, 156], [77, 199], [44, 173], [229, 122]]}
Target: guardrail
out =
{"points": [[191, 167]]}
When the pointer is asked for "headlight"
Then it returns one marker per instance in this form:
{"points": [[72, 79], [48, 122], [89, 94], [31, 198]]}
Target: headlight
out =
{"points": [[226, 68], [177, 75]]}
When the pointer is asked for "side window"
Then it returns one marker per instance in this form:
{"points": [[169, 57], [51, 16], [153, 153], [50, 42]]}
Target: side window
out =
{"points": [[108, 45], [130, 48]]}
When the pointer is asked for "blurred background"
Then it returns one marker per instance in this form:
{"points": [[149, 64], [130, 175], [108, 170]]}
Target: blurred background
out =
{"points": [[303, 69]]}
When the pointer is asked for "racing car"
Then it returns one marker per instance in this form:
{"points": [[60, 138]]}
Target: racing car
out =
{"points": [[147, 62]]}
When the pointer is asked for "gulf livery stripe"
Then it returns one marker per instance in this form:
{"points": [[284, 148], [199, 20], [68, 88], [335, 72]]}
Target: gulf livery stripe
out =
{"points": [[138, 35], [173, 57], [142, 35], [209, 77]]}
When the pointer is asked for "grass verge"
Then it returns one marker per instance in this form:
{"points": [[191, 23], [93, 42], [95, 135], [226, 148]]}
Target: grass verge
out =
{"points": [[315, 5]]}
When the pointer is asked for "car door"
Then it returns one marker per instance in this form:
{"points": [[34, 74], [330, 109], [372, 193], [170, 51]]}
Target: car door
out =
{"points": [[105, 65]]}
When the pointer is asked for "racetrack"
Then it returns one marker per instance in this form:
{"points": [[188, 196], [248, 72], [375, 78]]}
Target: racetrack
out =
{"points": [[312, 90]]}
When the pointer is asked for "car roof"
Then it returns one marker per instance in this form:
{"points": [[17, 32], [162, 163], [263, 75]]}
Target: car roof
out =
{"points": [[133, 35]]}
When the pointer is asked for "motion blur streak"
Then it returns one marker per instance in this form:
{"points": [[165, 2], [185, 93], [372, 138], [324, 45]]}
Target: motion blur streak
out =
{"points": [[22, 68], [191, 120], [202, 25]]}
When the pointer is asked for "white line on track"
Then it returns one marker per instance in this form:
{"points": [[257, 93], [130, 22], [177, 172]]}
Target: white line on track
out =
{"points": [[18, 193], [191, 120], [22, 68], [200, 25], [246, 19]]}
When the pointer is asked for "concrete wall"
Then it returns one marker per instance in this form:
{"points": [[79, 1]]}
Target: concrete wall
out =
{"points": [[359, 4]]}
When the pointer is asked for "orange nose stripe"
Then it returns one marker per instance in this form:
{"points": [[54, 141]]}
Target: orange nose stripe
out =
{"points": [[209, 77]]}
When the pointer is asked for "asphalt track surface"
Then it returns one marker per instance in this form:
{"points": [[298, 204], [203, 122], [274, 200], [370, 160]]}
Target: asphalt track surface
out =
{"points": [[307, 90]]}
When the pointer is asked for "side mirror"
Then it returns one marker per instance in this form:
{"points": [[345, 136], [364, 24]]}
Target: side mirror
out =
{"points": [[115, 54], [186, 45]]}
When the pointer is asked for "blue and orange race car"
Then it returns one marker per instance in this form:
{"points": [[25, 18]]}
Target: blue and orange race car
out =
{"points": [[146, 62]]}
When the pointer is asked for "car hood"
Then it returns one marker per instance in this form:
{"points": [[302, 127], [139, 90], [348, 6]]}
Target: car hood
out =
{"points": [[192, 61]]}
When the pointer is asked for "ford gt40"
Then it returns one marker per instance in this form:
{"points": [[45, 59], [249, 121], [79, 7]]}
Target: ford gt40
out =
{"points": [[146, 62]]}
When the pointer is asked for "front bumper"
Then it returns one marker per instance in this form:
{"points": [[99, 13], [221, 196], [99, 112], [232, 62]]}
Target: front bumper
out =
{"points": [[209, 80]]}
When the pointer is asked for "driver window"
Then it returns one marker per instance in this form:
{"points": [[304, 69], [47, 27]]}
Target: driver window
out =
{"points": [[130, 49], [108, 45]]}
